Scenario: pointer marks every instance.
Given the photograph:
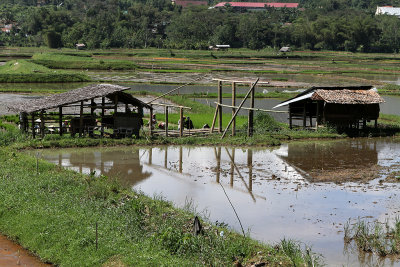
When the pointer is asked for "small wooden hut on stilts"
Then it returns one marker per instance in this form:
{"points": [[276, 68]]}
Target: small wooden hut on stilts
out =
{"points": [[103, 108], [345, 107]]}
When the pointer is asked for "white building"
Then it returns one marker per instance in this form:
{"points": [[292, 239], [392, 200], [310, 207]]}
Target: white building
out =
{"points": [[388, 10]]}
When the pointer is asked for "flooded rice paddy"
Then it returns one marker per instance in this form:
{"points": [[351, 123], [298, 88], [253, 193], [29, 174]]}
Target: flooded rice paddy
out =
{"points": [[305, 191]]}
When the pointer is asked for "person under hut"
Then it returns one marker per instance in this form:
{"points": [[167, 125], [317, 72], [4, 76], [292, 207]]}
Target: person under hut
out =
{"points": [[188, 124]]}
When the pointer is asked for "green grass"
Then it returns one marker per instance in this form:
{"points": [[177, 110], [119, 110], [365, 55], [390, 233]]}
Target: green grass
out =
{"points": [[21, 71], [78, 61], [54, 212]]}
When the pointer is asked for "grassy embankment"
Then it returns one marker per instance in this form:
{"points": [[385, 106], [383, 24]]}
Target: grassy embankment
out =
{"points": [[80, 60], [54, 212], [17, 71]]}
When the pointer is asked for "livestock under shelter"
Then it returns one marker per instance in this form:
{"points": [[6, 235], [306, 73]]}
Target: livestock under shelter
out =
{"points": [[102, 109], [344, 107]]}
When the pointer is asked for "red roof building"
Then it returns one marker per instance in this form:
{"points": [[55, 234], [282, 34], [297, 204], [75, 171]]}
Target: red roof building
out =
{"points": [[257, 5]]}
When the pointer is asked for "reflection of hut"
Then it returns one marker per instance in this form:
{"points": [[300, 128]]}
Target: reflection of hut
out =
{"points": [[124, 165], [334, 161], [120, 114], [341, 106]]}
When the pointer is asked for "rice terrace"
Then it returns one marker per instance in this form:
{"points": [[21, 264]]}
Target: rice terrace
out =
{"points": [[153, 145]]}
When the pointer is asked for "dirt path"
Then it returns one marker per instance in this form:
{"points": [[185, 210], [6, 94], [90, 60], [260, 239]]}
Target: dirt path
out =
{"points": [[12, 255]]}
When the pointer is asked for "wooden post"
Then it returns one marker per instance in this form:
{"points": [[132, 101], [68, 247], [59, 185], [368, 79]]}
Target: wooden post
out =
{"points": [[116, 104], [33, 125], [376, 123], [60, 120], [42, 123], [181, 122], [317, 117], [166, 121], [364, 123], [92, 107], [151, 122], [240, 106], [103, 102], [290, 118], [251, 114], [81, 120], [219, 106], [214, 119], [304, 115], [233, 109]]}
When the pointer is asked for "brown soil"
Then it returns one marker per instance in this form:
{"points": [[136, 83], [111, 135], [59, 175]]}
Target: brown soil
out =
{"points": [[12, 255], [362, 174]]}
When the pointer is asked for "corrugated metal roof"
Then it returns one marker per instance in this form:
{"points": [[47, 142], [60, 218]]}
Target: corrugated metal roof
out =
{"points": [[73, 96], [257, 4]]}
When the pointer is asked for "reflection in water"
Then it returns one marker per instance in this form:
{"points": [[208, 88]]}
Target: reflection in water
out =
{"points": [[273, 191]]}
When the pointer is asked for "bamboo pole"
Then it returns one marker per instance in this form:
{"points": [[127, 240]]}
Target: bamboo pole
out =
{"points": [[214, 119], [173, 90], [233, 109], [181, 122], [41, 123], [255, 109], [251, 114], [60, 115], [166, 121], [219, 106], [240, 106], [103, 100], [81, 120], [33, 125]]}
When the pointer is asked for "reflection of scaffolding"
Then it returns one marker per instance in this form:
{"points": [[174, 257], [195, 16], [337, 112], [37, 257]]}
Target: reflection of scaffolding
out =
{"points": [[233, 167]]}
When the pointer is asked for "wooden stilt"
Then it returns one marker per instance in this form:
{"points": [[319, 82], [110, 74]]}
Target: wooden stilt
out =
{"points": [[42, 123], [81, 120], [233, 109], [151, 122], [317, 117], [181, 124], [33, 125], [103, 102], [60, 120], [250, 125], [219, 107], [166, 121], [214, 119], [290, 118], [116, 104], [304, 116]]}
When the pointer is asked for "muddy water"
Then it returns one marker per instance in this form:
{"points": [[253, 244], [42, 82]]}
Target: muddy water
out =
{"points": [[12, 255], [277, 192]]}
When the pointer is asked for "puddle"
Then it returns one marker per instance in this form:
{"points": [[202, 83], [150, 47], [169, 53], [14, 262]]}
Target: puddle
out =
{"points": [[273, 190], [13, 255]]}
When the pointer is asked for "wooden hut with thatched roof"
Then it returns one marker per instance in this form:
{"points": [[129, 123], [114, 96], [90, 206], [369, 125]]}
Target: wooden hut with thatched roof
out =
{"points": [[103, 108], [348, 106]]}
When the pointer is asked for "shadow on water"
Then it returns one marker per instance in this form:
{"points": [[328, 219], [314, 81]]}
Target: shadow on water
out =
{"points": [[305, 191]]}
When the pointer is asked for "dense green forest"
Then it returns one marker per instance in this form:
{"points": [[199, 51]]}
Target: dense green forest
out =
{"points": [[349, 25]]}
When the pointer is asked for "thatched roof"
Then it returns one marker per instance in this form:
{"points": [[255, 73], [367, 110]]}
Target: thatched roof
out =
{"points": [[347, 96], [338, 95], [74, 96]]}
